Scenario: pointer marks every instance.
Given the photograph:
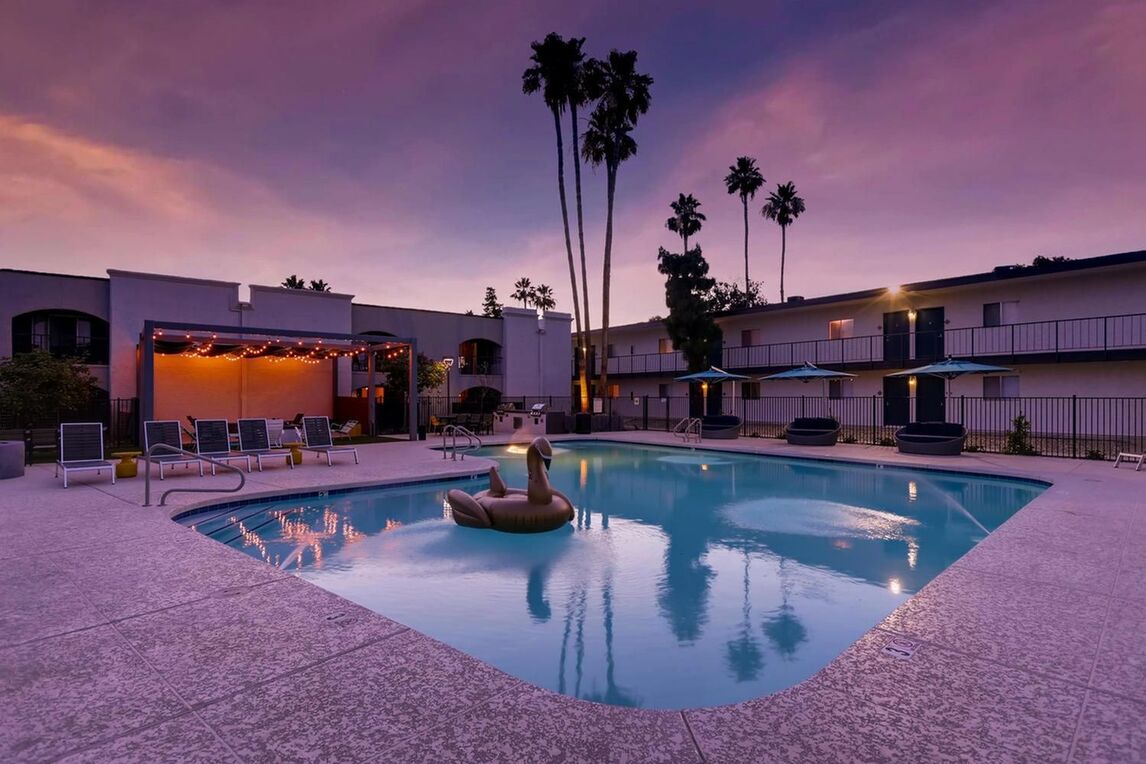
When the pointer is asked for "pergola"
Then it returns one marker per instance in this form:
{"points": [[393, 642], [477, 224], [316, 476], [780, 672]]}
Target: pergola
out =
{"points": [[237, 343]]}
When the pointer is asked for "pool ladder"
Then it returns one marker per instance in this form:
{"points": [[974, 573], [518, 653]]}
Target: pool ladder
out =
{"points": [[452, 432], [688, 428]]}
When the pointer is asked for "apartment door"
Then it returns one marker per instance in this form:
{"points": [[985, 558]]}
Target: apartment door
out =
{"points": [[930, 399], [896, 337], [896, 401], [929, 335]]}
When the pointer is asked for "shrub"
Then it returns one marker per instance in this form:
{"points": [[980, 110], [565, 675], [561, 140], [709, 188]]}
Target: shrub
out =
{"points": [[1019, 437], [37, 387], [1096, 455], [971, 448], [886, 441], [849, 439]]}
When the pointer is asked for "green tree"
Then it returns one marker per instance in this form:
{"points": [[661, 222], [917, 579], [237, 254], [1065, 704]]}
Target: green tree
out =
{"points": [[689, 323], [543, 298], [318, 286], [490, 307], [523, 291], [396, 366], [622, 95], [1019, 437], [686, 218], [557, 72], [36, 388], [294, 282], [744, 178], [728, 296], [783, 206]]}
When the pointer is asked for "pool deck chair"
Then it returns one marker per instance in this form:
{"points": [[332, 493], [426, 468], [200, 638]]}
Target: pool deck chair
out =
{"points": [[214, 441], [255, 441], [81, 450], [1126, 456], [170, 433], [316, 433]]}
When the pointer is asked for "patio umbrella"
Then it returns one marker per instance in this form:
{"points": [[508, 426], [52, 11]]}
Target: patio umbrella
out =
{"points": [[806, 372], [710, 377], [949, 368]]}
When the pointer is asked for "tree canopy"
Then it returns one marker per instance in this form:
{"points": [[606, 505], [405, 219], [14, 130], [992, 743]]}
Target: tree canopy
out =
{"points": [[689, 323], [315, 285], [396, 365], [728, 296], [490, 307], [36, 387]]}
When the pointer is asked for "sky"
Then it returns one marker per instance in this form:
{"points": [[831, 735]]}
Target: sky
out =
{"points": [[387, 148]]}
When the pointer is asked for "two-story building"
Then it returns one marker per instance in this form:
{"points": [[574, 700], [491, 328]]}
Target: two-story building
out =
{"points": [[1073, 328], [169, 347]]}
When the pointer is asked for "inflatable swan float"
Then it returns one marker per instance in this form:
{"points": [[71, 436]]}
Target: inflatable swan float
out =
{"points": [[540, 507]]}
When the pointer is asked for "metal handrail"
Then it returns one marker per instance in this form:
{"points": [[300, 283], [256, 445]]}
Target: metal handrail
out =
{"points": [[455, 430], [173, 450], [687, 427]]}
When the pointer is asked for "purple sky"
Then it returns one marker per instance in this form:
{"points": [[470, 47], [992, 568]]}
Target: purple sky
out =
{"points": [[387, 147]]}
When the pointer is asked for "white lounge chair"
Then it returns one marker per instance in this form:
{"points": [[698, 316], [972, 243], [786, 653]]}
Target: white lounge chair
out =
{"points": [[316, 433], [255, 441], [1125, 456], [343, 430], [81, 450], [214, 441], [170, 433]]}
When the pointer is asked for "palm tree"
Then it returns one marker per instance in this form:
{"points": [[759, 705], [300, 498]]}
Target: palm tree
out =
{"points": [[686, 220], [294, 282], [745, 179], [319, 285], [783, 206], [623, 95], [556, 73], [523, 290], [543, 298]]}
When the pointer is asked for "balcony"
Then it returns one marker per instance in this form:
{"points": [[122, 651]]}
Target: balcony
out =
{"points": [[1103, 338]]}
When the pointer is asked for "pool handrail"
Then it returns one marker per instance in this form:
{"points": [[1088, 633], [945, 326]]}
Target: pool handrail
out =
{"points": [[172, 449], [452, 450]]}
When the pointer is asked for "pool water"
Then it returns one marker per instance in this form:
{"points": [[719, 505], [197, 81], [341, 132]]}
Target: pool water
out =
{"points": [[689, 578]]}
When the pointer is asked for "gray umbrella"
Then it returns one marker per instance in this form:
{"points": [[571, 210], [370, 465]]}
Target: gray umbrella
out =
{"points": [[949, 368]]}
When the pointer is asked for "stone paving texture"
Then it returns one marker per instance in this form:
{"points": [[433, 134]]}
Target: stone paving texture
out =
{"points": [[127, 637]]}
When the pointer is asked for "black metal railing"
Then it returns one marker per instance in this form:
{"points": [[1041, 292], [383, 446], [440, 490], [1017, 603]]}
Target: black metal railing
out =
{"points": [[120, 417], [1102, 337]]}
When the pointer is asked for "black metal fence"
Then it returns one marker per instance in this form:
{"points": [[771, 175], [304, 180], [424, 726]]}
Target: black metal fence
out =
{"points": [[120, 417], [1066, 426]]}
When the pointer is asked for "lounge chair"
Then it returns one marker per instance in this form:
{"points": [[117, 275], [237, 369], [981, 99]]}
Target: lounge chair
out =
{"points": [[170, 433], [255, 441], [81, 450], [931, 438], [316, 434], [719, 427], [213, 440], [813, 431], [343, 430]]}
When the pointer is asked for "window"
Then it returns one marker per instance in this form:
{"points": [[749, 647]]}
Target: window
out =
{"points": [[745, 337], [1001, 387], [662, 391], [1000, 313], [749, 391], [840, 388], [614, 390], [63, 333], [611, 350], [841, 329], [664, 345]]}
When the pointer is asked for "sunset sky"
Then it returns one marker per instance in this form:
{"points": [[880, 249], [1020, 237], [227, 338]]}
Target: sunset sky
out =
{"points": [[386, 147]]}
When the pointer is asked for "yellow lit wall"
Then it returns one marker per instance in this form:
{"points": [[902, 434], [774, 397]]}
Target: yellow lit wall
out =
{"points": [[215, 388]]}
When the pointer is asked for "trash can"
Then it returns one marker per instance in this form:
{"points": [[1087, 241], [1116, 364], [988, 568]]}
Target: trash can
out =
{"points": [[421, 432], [583, 423], [11, 459]]}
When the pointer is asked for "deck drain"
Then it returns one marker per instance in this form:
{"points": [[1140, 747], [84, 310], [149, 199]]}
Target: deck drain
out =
{"points": [[901, 649]]}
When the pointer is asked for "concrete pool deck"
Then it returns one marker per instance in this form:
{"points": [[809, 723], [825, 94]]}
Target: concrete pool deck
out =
{"points": [[127, 637]]}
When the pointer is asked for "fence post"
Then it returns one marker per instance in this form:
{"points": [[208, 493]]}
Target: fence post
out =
{"points": [[645, 414], [801, 405], [1074, 426], [963, 410], [873, 407]]}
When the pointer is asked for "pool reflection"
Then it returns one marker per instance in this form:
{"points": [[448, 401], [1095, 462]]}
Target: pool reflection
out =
{"points": [[698, 579]]}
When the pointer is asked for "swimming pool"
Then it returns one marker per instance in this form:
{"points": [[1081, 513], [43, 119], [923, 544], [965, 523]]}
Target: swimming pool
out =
{"points": [[689, 578]]}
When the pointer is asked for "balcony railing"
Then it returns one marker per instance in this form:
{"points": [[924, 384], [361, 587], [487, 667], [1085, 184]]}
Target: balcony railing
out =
{"points": [[1101, 337]]}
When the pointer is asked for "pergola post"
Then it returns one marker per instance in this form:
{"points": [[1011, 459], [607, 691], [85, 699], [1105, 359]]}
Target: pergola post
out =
{"points": [[146, 384], [371, 408], [413, 388]]}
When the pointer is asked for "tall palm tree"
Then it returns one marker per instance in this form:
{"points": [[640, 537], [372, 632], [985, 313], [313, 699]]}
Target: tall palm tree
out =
{"points": [[783, 206], [543, 298], [556, 73], [744, 178], [686, 218], [523, 290], [578, 96], [623, 96]]}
